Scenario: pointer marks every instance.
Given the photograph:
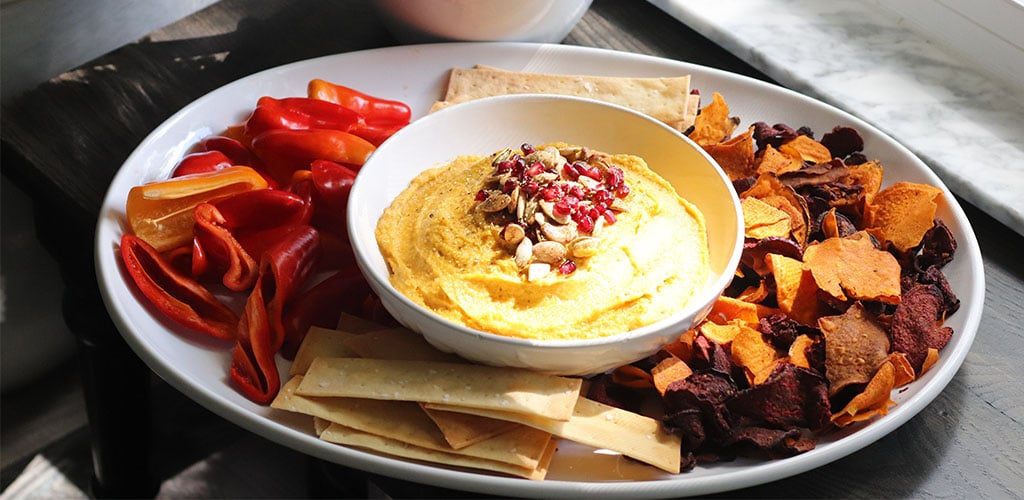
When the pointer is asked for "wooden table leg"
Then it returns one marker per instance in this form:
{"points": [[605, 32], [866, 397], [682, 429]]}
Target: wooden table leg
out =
{"points": [[116, 385]]}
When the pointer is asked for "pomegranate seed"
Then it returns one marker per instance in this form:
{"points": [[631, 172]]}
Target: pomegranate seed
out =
{"points": [[622, 191], [527, 148], [577, 191], [509, 186], [505, 166], [593, 173], [604, 196], [585, 224], [562, 208], [572, 200], [531, 188], [614, 176], [570, 172], [550, 193], [609, 217], [481, 195], [535, 169], [567, 267], [593, 213], [601, 207]]}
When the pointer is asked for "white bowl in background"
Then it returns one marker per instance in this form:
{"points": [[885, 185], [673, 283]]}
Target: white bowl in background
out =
{"points": [[484, 126], [542, 21]]}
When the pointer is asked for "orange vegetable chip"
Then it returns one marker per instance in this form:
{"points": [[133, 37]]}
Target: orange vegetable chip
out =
{"points": [[769, 189], [774, 161], [855, 346], [867, 174], [667, 371], [720, 334], [713, 124], [795, 289], [806, 149], [874, 400], [929, 360], [761, 220], [853, 269], [736, 155], [726, 309], [751, 351], [755, 295], [631, 376], [798, 351], [904, 371], [903, 213]]}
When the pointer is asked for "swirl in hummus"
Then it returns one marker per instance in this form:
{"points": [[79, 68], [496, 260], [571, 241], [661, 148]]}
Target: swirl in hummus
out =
{"points": [[557, 242]]}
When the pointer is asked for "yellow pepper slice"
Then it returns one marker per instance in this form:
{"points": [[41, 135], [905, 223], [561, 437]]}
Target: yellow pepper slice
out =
{"points": [[160, 213]]}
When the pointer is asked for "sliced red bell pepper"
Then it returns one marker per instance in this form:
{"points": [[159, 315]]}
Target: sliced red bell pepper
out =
{"points": [[175, 294], [299, 113], [225, 225], [332, 183], [283, 269], [285, 151], [375, 110], [236, 152], [322, 305], [375, 134], [161, 213], [201, 162]]}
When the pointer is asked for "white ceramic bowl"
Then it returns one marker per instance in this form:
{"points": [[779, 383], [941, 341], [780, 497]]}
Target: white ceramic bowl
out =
{"points": [[418, 21], [488, 125]]}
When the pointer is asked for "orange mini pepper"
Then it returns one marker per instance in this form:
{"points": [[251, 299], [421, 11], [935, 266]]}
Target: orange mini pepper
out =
{"points": [[161, 213]]}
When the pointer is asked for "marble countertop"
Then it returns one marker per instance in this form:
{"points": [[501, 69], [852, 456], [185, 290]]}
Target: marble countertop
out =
{"points": [[968, 127]]}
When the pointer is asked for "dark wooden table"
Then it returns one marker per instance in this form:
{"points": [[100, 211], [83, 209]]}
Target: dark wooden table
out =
{"points": [[63, 142]]}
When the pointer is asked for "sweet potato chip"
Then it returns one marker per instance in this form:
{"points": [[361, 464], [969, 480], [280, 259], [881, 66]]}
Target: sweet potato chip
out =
{"points": [[855, 346], [735, 156], [798, 351], [874, 400], [904, 373], [776, 162], [667, 371], [807, 149], [633, 377], [761, 220], [726, 309], [853, 269], [769, 189], [795, 289], [868, 175], [930, 359], [682, 348], [754, 354], [903, 213], [713, 125], [720, 334]]}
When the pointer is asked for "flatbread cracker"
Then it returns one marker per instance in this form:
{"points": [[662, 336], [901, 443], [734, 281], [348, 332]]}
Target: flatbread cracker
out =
{"points": [[478, 386], [462, 429], [396, 343], [340, 434], [665, 99], [602, 426], [406, 422], [320, 342]]}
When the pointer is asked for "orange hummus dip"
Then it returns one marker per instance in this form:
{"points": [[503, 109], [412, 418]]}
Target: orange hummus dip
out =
{"points": [[553, 242]]}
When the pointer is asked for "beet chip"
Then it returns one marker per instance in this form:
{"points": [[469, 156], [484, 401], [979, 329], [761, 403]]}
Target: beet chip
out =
{"points": [[773, 443], [937, 247], [695, 408], [791, 397], [842, 141], [915, 324]]}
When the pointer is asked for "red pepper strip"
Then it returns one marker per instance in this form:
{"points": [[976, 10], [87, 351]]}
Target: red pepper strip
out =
{"points": [[175, 294], [285, 151], [283, 269], [299, 113], [343, 291], [221, 222], [201, 162], [375, 134], [230, 147], [332, 183], [375, 110]]}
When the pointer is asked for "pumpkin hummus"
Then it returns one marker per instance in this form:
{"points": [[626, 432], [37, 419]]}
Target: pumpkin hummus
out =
{"points": [[556, 242]]}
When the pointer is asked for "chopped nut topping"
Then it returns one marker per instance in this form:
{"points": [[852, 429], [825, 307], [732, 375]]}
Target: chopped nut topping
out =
{"points": [[551, 204]]}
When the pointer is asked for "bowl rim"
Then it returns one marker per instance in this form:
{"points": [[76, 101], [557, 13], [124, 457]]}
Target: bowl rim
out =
{"points": [[693, 306]]}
